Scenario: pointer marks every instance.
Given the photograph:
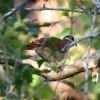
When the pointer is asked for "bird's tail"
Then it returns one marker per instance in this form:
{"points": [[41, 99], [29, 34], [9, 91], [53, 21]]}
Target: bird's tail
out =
{"points": [[33, 45]]}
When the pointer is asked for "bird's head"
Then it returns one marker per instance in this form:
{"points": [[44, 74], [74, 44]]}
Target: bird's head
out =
{"points": [[69, 38]]}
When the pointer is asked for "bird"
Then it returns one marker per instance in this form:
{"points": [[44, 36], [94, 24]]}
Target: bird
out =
{"points": [[50, 49]]}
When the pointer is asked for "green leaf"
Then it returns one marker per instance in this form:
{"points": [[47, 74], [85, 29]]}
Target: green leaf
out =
{"points": [[73, 4]]}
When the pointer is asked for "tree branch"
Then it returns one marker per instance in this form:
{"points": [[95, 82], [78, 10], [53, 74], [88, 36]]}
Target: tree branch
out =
{"points": [[12, 11], [75, 68], [60, 9]]}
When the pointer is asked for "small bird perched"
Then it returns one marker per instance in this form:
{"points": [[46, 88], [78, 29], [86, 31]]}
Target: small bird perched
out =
{"points": [[50, 48]]}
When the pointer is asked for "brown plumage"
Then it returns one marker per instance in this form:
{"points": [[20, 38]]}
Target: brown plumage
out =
{"points": [[50, 48]]}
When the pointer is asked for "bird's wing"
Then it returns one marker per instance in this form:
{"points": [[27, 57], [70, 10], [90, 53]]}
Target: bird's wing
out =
{"points": [[53, 43]]}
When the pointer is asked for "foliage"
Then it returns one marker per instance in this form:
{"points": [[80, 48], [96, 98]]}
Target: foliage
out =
{"points": [[17, 30]]}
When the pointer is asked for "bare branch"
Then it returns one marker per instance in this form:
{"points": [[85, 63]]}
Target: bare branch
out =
{"points": [[61, 9], [13, 10], [75, 68]]}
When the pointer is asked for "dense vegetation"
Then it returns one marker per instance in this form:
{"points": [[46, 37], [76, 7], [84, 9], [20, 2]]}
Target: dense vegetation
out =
{"points": [[18, 79]]}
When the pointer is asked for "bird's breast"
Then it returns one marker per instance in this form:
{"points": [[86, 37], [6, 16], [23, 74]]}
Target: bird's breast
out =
{"points": [[49, 54]]}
